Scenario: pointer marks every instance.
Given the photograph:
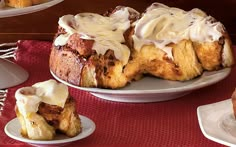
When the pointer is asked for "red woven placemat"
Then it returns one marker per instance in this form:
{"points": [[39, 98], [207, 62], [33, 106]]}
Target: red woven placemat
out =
{"points": [[169, 123]]}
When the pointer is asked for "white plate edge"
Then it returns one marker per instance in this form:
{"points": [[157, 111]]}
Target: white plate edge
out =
{"points": [[68, 140], [26, 10], [203, 129], [162, 91]]}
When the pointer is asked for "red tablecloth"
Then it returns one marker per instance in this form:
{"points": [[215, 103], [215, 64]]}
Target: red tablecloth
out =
{"points": [[169, 123]]}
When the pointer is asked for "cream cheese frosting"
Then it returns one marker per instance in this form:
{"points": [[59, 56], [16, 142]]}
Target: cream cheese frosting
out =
{"points": [[161, 25], [107, 32], [50, 92]]}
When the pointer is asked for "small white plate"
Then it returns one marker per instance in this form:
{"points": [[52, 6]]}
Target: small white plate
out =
{"points": [[9, 12], [217, 122], [12, 129], [11, 74], [151, 89]]}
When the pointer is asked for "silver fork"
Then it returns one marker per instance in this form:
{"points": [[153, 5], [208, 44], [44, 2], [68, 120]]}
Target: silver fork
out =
{"points": [[7, 50], [3, 96]]}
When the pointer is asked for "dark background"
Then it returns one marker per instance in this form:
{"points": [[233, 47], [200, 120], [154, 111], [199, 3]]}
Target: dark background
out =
{"points": [[42, 25]]}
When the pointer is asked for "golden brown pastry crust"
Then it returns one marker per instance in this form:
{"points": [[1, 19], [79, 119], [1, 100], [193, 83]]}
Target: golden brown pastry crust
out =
{"points": [[154, 61], [233, 99], [65, 120], [215, 55], [35, 127], [190, 60], [23, 3], [95, 71], [49, 119], [35, 2]]}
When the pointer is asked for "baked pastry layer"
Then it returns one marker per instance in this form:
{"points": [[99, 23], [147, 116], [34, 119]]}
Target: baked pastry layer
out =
{"points": [[110, 51], [23, 3], [45, 109]]}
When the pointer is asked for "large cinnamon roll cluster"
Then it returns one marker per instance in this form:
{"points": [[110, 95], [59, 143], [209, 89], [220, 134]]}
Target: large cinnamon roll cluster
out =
{"points": [[109, 51]]}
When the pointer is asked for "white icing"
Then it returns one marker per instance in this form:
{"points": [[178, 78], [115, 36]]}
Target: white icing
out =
{"points": [[27, 102], [107, 32], [50, 92], [161, 25]]}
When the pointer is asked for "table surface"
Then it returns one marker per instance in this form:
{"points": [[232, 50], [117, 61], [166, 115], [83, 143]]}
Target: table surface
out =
{"points": [[42, 25], [168, 123]]}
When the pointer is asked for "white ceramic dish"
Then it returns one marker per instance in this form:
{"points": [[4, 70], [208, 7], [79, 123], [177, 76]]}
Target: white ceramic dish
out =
{"points": [[9, 12], [217, 122], [11, 74], [151, 89], [12, 129]]}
